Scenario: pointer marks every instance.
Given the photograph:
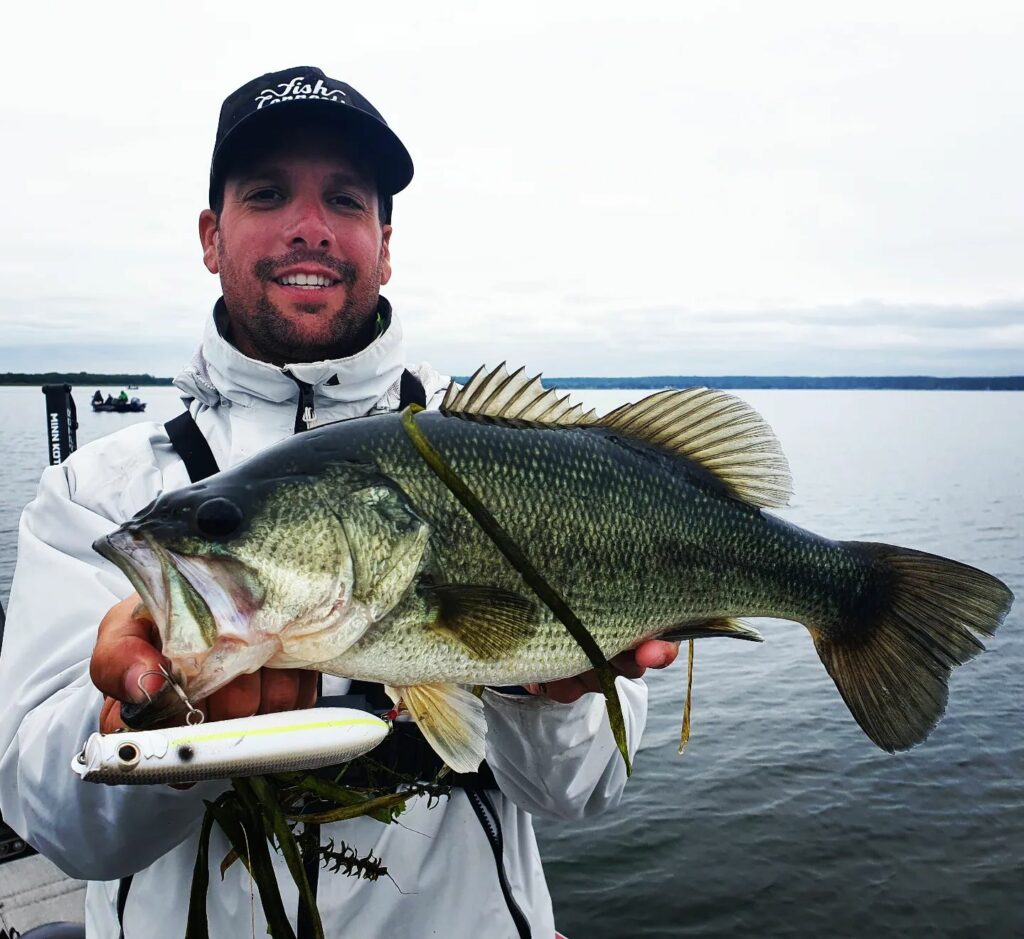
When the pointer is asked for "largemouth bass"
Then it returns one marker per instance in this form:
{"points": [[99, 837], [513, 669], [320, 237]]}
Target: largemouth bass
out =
{"points": [[340, 550]]}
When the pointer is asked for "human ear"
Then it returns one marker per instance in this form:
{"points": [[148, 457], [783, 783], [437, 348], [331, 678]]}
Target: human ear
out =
{"points": [[208, 231], [385, 254]]}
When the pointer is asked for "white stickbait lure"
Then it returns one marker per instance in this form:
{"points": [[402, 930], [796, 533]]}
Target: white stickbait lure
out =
{"points": [[246, 746]]}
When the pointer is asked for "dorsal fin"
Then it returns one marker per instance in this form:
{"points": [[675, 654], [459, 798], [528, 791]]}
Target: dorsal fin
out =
{"points": [[514, 397], [716, 430]]}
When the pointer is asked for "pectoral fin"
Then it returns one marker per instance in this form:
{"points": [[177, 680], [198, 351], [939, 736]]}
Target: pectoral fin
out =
{"points": [[451, 719], [490, 623], [709, 629]]}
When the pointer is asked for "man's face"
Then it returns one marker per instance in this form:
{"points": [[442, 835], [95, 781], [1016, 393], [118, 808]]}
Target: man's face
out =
{"points": [[300, 251]]}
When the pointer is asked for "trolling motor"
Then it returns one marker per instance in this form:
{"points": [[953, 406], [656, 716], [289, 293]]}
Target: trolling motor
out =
{"points": [[61, 422], [62, 441]]}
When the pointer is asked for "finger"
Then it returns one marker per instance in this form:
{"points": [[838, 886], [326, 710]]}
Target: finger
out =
{"points": [[126, 648], [656, 653], [309, 688], [239, 698], [567, 690], [625, 663], [110, 716], [279, 689]]}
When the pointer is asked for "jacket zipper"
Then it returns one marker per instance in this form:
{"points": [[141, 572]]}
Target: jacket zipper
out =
{"points": [[492, 829], [305, 413]]}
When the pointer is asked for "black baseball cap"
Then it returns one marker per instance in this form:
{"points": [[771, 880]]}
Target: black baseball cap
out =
{"points": [[305, 95]]}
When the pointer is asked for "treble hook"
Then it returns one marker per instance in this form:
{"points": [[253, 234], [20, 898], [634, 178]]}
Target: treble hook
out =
{"points": [[194, 715]]}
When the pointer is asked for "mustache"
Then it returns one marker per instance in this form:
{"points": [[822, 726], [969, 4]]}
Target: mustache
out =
{"points": [[346, 272]]}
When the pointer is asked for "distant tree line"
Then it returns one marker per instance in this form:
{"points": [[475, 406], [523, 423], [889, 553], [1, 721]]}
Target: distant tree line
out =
{"points": [[906, 382], [78, 379], [893, 382]]}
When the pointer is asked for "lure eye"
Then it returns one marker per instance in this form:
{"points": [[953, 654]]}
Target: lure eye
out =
{"points": [[218, 517], [128, 754]]}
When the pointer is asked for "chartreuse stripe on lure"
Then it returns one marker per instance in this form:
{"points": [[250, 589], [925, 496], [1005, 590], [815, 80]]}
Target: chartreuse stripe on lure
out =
{"points": [[244, 746], [342, 550]]}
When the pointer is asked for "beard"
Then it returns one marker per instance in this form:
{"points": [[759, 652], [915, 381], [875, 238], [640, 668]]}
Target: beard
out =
{"points": [[279, 339]]}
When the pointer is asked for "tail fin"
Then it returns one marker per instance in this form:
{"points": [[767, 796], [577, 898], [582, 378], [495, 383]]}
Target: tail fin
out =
{"points": [[892, 666]]}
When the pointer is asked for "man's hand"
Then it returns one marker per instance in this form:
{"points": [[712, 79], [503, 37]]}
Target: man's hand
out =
{"points": [[632, 663], [127, 647]]}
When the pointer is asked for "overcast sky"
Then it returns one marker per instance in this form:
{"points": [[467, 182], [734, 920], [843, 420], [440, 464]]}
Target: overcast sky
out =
{"points": [[601, 188]]}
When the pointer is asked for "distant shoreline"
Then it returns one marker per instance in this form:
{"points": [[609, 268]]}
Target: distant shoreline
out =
{"points": [[79, 379], [806, 382], [82, 380]]}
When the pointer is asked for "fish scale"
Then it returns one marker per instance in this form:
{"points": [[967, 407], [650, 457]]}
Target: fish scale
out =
{"points": [[610, 527]]}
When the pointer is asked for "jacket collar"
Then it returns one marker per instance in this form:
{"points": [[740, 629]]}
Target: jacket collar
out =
{"points": [[345, 387]]}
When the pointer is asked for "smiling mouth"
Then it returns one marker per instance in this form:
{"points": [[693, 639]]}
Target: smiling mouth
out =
{"points": [[306, 281]]}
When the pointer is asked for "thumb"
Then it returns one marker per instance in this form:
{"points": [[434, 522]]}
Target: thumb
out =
{"points": [[126, 649]]}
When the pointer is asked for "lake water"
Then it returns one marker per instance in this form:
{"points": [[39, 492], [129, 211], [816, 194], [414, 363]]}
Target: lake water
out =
{"points": [[782, 819]]}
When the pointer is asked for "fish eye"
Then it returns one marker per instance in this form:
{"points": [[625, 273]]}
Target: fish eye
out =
{"points": [[218, 517], [128, 754]]}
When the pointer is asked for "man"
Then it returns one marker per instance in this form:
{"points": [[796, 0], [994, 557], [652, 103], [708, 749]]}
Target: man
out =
{"points": [[298, 230]]}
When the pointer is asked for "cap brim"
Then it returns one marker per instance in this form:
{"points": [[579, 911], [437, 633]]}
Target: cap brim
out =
{"points": [[386, 154]]}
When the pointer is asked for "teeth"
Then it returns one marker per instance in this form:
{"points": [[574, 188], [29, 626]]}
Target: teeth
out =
{"points": [[305, 280]]}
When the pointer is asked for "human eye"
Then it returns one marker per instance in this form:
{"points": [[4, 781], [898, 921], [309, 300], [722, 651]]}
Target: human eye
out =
{"points": [[264, 195], [347, 200]]}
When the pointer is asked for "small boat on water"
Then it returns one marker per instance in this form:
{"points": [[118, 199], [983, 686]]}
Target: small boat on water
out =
{"points": [[120, 405]]}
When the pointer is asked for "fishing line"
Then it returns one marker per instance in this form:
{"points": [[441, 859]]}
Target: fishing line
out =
{"points": [[508, 547]]}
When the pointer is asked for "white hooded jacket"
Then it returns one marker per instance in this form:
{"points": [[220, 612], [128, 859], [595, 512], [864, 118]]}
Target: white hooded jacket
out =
{"points": [[549, 759]]}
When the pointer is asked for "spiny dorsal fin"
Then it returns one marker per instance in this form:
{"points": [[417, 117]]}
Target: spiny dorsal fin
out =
{"points": [[514, 397], [718, 431]]}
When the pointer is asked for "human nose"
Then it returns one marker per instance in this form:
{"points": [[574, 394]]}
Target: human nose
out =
{"points": [[308, 226]]}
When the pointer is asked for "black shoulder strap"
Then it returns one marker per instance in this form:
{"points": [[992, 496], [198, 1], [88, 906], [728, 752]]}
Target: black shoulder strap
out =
{"points": [[411, 391], [190, 444]]}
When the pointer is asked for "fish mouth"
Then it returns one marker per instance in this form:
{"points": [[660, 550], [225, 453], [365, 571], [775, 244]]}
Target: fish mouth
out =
{"points": [[136, 558], [221, 589], [193, 600]]}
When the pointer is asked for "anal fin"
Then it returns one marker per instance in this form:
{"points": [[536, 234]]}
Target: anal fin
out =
{"points": [[450, 718], [711, 628]]}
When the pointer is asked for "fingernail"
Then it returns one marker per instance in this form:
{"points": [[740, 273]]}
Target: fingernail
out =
{"points": [[661, 661], [153, 682]]}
